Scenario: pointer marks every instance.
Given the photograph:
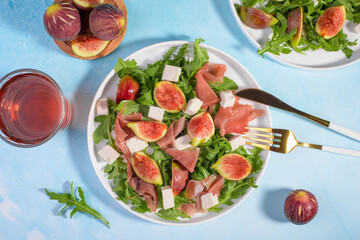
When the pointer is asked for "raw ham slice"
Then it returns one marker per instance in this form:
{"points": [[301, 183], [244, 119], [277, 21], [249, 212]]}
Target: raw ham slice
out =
{"points": [[123, 133], [234, 119], [145, 189], [204, 91], [214, 73], [195, 189], [175, 129], [187, 158]]}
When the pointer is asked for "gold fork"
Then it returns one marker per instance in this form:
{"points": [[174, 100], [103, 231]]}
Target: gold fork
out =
{"points": [[284, 141]]}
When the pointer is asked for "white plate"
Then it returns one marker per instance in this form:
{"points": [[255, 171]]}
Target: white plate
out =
{"points": [[151, 54], [317, 60]]}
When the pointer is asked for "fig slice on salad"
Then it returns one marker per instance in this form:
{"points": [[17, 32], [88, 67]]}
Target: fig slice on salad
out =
{"points": [[149, 131], [256, 18], [295, 19], [331, 22], [146, 168], [200, 128], [128, 89], [233, 166], [169, 97]]}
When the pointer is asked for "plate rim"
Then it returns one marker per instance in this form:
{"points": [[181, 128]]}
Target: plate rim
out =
{"points": [[275, 57], [90, 143]]}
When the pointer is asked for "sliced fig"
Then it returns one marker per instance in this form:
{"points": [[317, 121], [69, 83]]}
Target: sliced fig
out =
{"points": [[62, 21], [86, 45], [295, 19], [149, 131], [87, 5], [146, 168], [128, 89], [256, 18], [200, 128], [179, 178], [233, 166], [331, 22], [169, 97], [107, 22]]}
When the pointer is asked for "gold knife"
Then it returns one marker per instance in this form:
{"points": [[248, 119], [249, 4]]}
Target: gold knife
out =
{"points": [[263, 97]]}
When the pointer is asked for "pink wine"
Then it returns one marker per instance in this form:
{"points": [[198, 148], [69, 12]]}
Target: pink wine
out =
{"points": [[30, 108]]}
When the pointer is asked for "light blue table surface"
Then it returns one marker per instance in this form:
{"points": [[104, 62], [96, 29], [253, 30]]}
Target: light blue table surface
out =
{"points": [[27, 213]]}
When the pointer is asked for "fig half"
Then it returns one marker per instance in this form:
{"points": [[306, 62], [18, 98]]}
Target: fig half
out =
{"points": [[256, 18], [331, 22]]}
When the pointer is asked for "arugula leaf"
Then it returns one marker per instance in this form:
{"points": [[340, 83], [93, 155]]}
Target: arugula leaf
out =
{"points": [[121, 64], [228, 84], [71, 200], [200, 58], [128, 107], [106, 123]]}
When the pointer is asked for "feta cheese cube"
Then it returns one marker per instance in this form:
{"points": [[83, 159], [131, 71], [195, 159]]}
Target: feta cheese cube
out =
{"points": [[102, 107], [156, 113], [135, 144], [193, 106], [171, 73], [357, 28], [109, 154], [167, 197], [236, 142], [208, 200], [316, 2], [227, 98], [149, 150], [182, 142]]}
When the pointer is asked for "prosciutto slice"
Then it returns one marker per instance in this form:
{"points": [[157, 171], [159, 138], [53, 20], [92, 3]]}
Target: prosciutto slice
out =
{"points": [[187, 158], [195, 189], [234, 119], [214, 73], [123, 133], [204, 91], [175, 129], [145, 189]]}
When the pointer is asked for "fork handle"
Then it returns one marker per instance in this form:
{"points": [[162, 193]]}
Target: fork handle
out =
{"points": [[344, 151], [345, 131]]}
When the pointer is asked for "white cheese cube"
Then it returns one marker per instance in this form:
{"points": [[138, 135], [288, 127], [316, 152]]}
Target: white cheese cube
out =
{"points": [[113, 135], [236, 142], [135, 144], [182, 142], [109, 154], [193, 106], [167, 197], [156, 113], [316, 2], [208, 200], [227, 98], [149, 150], [171, 73], [357, 28], [102, 107]]}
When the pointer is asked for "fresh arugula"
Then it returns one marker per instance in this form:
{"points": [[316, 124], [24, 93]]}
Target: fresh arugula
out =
{"points": [[71, 200], [210, 151], [311, 41]]}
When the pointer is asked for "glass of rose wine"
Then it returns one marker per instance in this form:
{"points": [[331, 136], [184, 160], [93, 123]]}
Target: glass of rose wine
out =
{"points": [[32, 108]]}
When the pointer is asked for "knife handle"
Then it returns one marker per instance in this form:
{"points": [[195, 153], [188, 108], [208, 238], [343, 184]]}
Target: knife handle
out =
{"points": [[345, 131]]}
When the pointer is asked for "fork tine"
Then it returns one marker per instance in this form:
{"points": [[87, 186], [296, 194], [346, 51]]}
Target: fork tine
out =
{"points": [[259, 145], [259, 140], [269, 130], [260, 135]]}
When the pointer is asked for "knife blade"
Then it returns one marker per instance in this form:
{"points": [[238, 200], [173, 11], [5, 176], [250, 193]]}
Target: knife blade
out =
{"points": [[266, 98]]}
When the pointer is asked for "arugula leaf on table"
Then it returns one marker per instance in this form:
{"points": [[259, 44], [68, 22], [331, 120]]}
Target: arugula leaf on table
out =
{"points": [[71, 200], [103, 131]]}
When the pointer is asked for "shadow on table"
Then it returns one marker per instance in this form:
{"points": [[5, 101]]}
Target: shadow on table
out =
{"points": [[225, 13], [81, 102], [273, 204]]}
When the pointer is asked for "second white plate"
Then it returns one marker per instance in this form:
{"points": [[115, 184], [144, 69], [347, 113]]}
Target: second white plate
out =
{"points": [[317, 60]]}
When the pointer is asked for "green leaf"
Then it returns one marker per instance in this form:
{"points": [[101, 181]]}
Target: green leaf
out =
{"points": [[70, 200], [106, 122], [228, 84]]}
